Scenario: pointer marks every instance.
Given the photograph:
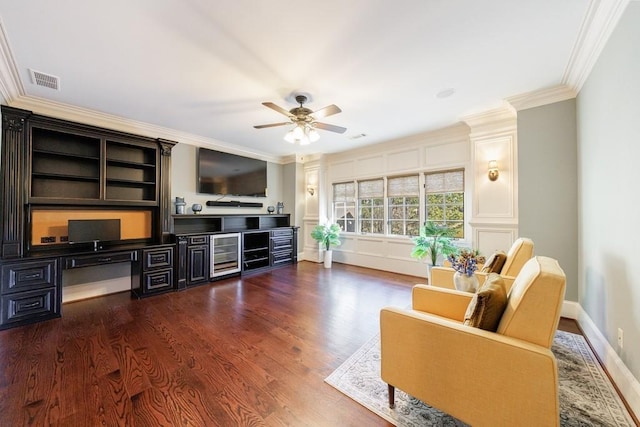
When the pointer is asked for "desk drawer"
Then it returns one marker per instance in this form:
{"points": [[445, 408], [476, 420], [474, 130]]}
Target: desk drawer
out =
{"points": [[29, 306], [156, 281], [28, 275], [157, 258], [89, 260]]}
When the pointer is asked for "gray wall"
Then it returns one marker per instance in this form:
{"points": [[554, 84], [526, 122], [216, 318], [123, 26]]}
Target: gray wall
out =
{"points": [[183, 184], [608, 112], [547, 185]]}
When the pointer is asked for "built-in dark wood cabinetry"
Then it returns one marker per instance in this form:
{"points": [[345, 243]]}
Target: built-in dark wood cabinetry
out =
{"points": [[282, 244], [30, 291], [54, 171], [267, 241], [255, 250], [197, 260], [154, 273], [73, 164]]}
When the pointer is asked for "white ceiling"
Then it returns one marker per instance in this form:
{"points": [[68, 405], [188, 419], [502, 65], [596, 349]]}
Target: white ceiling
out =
{"points": [[204, 67]]}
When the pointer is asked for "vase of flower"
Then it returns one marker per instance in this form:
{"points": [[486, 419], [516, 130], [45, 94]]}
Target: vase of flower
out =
{"points": [[465, 264], [464, 282]]}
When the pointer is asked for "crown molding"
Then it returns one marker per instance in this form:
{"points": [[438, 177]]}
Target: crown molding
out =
{"points": [[601, 18], [540, 97], [11, 86], [501, 119]]}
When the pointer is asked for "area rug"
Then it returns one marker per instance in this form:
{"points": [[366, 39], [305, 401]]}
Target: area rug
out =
{"points": [[587, 397]]}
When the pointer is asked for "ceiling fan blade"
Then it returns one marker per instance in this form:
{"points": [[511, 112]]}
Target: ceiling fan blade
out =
{"points": [[271, 125], [326, 111], [277, 108], [332, 128]]}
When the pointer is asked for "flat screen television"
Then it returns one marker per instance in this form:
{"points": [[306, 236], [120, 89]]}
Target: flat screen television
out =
{"points": [[93, 230], [230, 174]]}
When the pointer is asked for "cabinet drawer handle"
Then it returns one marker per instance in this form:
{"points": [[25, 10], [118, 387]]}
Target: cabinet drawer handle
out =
{"points": [[31, 276], [157, 258], [157, 280], [104, 259], [31, 305]]}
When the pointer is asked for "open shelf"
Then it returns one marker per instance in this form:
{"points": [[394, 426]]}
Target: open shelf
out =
{"points": [[77, 166], [198, 223], [130, 154], [64, 165], [50, 153], [255, 250], [130, 164], [131, 172]]}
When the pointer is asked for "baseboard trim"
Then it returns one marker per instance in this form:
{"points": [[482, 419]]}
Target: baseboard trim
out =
{"points": [[627, 384], [570, 310]]}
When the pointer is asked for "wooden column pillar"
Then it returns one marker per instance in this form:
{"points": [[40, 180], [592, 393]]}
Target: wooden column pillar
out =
{"points": [[166, 221], [13, 188]]}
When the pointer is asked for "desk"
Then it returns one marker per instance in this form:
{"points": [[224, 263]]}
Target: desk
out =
{"points": [[31, 287]]}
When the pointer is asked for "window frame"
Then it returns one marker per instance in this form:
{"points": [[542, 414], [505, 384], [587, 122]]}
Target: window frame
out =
{"points": [[376, 203], [444, 205], [408, 192], [383, 205]]}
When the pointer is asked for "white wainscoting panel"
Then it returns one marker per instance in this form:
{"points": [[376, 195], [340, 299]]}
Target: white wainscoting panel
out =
{"points": [[488, 240], [442, 155], [494, 199], [349, 244], [312, 179], [342, 170], [399, 249], [371, 246], [369, 166], [401, 161], [311, 247]]}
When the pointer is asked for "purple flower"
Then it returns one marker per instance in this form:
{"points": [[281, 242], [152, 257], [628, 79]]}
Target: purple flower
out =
{"points": [[465, 262]]}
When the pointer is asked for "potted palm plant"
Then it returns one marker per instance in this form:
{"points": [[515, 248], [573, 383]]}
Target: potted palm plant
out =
{"points": [[433, 242], [327, 235]]}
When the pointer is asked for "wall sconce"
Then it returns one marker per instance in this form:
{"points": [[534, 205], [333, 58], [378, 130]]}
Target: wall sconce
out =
{"points": [[493, 170], [311, 189]]}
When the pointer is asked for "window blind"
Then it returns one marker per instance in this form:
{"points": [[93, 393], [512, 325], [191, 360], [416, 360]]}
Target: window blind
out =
{"points": [[344, 192], [445, 182], [371, 189], [403, 186]]}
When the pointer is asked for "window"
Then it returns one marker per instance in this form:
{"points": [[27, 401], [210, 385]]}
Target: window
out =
{"points": [[445, 199], [403, 198], [371, 206], [344, 205]]}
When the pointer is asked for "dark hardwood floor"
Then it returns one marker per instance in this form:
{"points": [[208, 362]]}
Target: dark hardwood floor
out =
{"points": [[245, 351]]}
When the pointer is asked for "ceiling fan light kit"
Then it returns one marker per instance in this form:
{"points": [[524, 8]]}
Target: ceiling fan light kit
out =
{"points": [[302, 134], [304, 121]]}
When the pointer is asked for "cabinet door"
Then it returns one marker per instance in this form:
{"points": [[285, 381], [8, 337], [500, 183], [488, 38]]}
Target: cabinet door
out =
{"points": [[197, 264]]}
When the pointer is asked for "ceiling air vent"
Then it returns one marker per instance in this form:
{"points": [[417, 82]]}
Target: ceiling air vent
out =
{"points": [[46, 80]]}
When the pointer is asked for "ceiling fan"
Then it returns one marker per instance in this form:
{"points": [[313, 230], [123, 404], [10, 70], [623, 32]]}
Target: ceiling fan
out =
{"points": [[304, 120]]}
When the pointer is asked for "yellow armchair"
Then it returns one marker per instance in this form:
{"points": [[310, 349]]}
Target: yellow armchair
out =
{"points": [[519, 253], [503, 378]]}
